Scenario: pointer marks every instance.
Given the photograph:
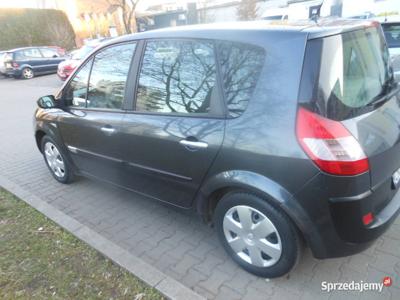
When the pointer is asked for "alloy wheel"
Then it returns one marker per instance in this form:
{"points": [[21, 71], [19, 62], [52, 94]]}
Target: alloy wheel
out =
{"points": [[27, 73], [252, 236]]}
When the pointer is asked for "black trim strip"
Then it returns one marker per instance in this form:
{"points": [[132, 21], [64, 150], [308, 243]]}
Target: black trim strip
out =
{"points": [[76, 150], [160, 171]]}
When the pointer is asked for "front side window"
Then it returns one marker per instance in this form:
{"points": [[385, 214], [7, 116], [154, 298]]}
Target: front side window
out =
{"points": [[49, 53], [241, 65], [177, 76], [108, 77], [76, 91]]}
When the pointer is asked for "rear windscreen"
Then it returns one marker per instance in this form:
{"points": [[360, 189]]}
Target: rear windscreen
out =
{"points": [[344, 73]]}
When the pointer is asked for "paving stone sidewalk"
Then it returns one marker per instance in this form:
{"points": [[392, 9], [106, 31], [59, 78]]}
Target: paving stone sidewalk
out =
{"points": [[174, 242]]}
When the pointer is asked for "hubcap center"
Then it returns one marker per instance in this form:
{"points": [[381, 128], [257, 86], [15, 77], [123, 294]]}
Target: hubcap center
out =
{"points": [[249, 239]]}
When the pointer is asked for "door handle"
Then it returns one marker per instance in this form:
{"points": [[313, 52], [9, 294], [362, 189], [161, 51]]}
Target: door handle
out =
{"points": [[193, 144], [108, 129]]}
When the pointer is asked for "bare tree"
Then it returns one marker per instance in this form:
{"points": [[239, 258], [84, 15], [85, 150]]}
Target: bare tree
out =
{"points": [[247, 10], [128, 8]]}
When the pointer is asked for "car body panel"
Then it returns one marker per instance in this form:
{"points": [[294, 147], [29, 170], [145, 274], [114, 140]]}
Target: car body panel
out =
{"points": [[158, 164], [257, 151], [94, 151]]}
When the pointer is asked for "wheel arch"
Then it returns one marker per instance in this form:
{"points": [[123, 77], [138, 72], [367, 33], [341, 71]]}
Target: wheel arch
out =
{"points": [[39, 134], [237, 180]]}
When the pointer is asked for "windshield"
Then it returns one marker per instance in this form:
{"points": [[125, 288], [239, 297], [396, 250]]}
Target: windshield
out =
{"points": [[392, 34], [353, 72], [82, 52]]}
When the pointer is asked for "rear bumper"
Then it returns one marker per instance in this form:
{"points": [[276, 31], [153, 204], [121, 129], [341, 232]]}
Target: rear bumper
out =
{"points": [[337, 221], [13, 72], [347, 216]]}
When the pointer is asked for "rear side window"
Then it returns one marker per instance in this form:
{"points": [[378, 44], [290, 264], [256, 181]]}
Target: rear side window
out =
{"points": [[177, 76], [241, 65], [19, 55], [345, 73]]}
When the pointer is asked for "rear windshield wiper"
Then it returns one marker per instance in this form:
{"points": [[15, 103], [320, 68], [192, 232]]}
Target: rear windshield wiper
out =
{"points": [[385, 94]]}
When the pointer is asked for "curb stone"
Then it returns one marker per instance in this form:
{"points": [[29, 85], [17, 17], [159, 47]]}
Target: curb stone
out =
{"points": [[165, 284]]}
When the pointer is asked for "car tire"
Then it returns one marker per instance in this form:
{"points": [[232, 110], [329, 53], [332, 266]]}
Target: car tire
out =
{"points": [[27, 73], [56, 161], [266, 242]]}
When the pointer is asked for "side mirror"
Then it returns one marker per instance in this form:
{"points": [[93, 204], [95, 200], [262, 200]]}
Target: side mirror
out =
{"points": [[47, 102]]}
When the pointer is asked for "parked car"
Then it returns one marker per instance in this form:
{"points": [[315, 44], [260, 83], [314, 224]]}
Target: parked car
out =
{"points": [[30, 61], [274, 134], [392, 35], [366, 15], [2, 65], [65, 68]]}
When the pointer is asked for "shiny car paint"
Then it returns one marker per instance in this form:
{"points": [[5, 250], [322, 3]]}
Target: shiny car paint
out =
{"points": [[257, 151]]}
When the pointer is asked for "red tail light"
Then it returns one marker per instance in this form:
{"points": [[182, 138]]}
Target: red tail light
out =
{"points": [[330, 145], [15, 65]]}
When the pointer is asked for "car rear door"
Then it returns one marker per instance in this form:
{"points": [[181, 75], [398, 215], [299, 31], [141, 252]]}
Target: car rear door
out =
{"points": [[176, 129], [91, 125], [33, 58]]}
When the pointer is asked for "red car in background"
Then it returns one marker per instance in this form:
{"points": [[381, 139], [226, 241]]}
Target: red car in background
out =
{"points": [[66, 67]]}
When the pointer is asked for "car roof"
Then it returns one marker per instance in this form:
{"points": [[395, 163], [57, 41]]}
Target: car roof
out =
{"points": [[25, 48], [311, 29], [22, 48]]}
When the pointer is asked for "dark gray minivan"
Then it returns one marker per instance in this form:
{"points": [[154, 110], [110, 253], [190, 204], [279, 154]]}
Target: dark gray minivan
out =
{"points": [[276, 135]]}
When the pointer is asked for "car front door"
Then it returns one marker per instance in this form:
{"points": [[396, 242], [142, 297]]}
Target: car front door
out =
{"points": [[91, 124], [176, 128]]}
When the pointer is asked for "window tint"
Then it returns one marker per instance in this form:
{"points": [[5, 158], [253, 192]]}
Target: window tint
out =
{"points": [[31, 53], [108, 77], [240, 68], [392, 35], [75, 93], [352, 73], [177, 77], [49, 53]]}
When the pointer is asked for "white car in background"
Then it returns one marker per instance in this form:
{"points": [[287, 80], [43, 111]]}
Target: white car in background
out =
{"points": [[391, 28], [2, 65]]}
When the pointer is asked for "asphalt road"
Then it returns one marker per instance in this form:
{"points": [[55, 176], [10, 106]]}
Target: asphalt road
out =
{"points": [[175, 243]]}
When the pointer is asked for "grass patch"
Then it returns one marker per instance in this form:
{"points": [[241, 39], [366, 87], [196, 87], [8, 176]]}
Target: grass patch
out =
{"points": [[38, 259]]}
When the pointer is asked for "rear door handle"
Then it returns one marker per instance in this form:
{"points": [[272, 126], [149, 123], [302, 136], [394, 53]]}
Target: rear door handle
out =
{"points": [[193, 144], [108, 129]]}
